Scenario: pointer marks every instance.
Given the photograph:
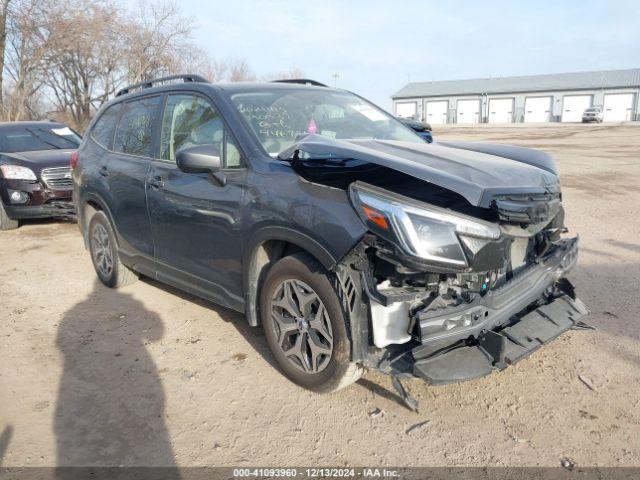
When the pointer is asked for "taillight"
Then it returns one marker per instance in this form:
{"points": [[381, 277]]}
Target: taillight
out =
{"points": [[74, 160]]}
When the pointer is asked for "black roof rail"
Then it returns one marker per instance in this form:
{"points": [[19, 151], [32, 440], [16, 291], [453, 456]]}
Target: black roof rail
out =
{"points": [[300, 81], [162, 80]]}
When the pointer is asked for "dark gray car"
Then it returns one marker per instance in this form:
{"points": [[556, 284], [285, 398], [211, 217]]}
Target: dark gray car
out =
{"points": [[35, 178], [353, 242]]}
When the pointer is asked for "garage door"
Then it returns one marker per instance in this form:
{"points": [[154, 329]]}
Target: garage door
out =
{"points": [[537, 109], [573, 106], [618, 106], [406, 109], [500, 110], [468, 111], [437, 112]]}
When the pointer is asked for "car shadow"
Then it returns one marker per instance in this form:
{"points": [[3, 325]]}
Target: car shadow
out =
{"points": [[381, 391], [46, 221], [253, 335], [5, 438], [111, 402]]}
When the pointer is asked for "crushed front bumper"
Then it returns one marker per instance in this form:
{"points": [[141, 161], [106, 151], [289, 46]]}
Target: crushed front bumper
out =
{"points": [[499, 349], [496, 330], [53, 209], [43, 202]]}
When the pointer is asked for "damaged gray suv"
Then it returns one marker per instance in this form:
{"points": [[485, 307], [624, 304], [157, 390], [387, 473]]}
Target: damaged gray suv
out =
{"points": [[351, 241]]}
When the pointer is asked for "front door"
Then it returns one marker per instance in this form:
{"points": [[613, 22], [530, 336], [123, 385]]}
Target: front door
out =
{"points": [[195, 217]]}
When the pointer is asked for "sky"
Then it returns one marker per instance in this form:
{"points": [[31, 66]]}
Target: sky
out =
{"points": [[376, 47]]}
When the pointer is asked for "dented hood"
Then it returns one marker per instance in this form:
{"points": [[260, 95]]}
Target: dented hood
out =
{"points": [[475, 171]]}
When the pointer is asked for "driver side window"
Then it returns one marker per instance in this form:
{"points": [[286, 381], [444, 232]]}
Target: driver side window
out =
{"points": [[189, 121]]}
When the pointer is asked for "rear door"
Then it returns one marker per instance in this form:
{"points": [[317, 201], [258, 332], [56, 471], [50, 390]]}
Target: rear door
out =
{"points": [[126, 175], [195, 218]]}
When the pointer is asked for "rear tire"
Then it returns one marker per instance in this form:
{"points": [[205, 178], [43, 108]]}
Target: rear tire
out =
{"points": [[305, 325], [104, 254], [7, 223]]}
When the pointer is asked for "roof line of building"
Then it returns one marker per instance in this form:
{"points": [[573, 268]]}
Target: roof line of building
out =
{"points": [[524, 83]]}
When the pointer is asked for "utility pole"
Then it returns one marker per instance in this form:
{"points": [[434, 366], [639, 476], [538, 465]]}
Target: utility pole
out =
{"points": [[335, 79]]}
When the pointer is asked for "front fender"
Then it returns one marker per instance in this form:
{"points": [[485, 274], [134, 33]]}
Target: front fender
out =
{"points": [[255, 258]]}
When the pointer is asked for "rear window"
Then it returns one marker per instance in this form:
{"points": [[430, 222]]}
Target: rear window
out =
{"points": [[37, 137], [134, 134], [103, 130]]}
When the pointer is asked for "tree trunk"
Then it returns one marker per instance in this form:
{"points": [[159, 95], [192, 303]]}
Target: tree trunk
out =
{"points": [[4, 6]]}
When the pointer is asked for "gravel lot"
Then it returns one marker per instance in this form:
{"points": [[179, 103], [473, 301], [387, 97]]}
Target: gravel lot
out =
{"points": [[147, 375]]}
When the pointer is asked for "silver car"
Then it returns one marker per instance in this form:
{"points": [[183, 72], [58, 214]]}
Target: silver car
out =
{"points": [[593, 114]]}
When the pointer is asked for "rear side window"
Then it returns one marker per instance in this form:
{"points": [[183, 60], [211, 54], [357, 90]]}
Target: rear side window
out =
{"points": [[103, 130], [134, 134]]}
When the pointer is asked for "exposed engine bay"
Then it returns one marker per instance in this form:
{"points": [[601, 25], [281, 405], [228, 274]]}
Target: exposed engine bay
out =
{"points": [[461, 276]]}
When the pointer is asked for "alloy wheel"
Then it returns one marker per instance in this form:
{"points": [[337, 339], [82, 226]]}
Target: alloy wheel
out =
{"points": [[102, 251], [302, 326]]}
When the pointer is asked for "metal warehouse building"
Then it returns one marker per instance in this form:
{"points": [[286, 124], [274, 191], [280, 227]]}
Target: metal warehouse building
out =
{"points": [[533, 98]]}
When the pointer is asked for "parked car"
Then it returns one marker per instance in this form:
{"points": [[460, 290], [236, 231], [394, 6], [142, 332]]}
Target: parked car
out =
{"points": [[422, 129], [354, 243], [35, 176], [594, 114]]}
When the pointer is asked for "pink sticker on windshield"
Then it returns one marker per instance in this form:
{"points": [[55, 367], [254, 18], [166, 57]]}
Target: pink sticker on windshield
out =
{"points": [[312, 127]]}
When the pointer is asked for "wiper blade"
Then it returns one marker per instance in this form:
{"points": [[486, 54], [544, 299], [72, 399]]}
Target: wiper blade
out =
{"points": [[42, 139], [75, 144]]}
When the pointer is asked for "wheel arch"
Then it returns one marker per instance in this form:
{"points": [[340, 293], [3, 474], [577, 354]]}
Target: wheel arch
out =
{"points": [[266, 247], [87, 207]]}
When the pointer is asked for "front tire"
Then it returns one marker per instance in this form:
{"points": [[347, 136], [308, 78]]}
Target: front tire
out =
{"points": [[7, 223], [104, 254], [305, 325]]}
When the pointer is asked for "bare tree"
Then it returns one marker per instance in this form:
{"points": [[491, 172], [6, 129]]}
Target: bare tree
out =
{"points": [[197, 60], [70, 56], [294, 72], [28, 41], [4, 7], [84, 58], [157, 42], [239, 71]]}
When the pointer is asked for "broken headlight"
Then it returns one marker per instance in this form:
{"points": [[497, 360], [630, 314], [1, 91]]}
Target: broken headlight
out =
{"points": [[421, 230]]}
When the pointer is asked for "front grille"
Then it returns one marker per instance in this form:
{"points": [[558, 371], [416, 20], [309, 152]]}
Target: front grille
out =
{"points": [[527, 207], [58, 178]]}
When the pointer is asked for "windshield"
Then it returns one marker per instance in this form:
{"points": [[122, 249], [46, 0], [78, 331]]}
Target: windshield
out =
{"points": [[37, 137], [592, 110], [280, 117]]}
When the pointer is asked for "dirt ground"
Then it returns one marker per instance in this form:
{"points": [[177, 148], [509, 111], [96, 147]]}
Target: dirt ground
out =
{"points": [[147, 375]]}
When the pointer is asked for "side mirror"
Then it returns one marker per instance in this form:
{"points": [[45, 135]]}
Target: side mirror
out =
{"points": [[198, 159]]}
